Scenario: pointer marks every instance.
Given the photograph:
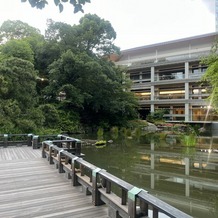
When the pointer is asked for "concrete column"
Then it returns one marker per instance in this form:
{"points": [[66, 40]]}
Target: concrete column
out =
{"points": [[152, 93], [152, 181], [187, 114], [152, 108], [152, 74], [187, 91], [187, 166], [187, 188], [186, 70], [187, 104]]}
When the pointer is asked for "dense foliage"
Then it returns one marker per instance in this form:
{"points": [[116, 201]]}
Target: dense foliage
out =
{"points": [[63, 80], [77, 4], [211, 76]]}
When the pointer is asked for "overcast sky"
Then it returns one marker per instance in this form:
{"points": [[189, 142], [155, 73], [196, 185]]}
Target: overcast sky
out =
{"points": [[136, 22]]}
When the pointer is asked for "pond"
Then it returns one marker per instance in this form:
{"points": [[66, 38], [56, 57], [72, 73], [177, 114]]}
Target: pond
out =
{"points": [[183, 176]]}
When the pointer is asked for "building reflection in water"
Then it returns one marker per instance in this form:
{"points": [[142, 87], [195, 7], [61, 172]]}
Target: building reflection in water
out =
{"points": [[186, 178]]}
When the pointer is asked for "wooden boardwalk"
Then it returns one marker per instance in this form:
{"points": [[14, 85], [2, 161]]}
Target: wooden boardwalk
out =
{"points": [[30, 187]]}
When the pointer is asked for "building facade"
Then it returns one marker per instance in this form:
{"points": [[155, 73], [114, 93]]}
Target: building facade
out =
{"points": [[167, 76]]}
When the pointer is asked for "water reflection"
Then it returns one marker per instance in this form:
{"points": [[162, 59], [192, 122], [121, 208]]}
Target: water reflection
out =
{"points": [[185, 177]]}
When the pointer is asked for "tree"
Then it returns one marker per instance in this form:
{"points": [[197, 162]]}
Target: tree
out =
{"points": [[77, 4], [16, 30], [19, 79], [96, 35], [93, 90], [93, 35], [18, 97], [17, 48], [211, 76]]}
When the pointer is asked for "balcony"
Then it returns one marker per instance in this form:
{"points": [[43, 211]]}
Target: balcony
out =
{"points": [[173, 76]]}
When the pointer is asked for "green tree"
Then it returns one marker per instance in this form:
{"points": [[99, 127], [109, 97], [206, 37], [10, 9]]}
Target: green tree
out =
{"points": [[96, 35], [19, 78], [77, 4], [18, 48], [16, 30], [211, 76], [93, 89]]}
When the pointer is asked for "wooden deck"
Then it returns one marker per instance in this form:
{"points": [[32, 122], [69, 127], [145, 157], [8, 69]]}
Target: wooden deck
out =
{"points": [[29, 187]]}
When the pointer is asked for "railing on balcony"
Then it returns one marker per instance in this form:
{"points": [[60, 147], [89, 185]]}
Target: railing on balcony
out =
{"points": [[169, 96], [173, 76]]}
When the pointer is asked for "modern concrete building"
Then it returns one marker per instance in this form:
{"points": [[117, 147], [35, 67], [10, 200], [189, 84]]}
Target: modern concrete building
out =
{"points": [[167, 76]]}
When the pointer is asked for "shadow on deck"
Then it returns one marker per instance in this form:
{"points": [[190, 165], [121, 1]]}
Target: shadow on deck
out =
{"points": [[29, 187]]}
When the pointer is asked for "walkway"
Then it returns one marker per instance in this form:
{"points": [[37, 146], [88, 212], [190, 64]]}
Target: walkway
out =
{"points": [[30, 187]]}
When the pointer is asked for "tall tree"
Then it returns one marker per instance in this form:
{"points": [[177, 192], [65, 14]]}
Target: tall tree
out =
{"points": [[16, 30], [93, 88], [18, 48], [211, 76], [96, 35]]}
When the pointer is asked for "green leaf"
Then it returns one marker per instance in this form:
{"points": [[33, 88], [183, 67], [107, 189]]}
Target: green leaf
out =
{"points": [[64, 0], [73, 2], [61, 7], [57, 2], [82, 2], [77, 8]]}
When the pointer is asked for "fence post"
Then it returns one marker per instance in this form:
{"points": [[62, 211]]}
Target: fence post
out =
{"points": [[132, 201], [59, 137], [78, 148], [74, 177], [5, 140], [29, 139], [35, 142], [60, 165], [95, 193]]}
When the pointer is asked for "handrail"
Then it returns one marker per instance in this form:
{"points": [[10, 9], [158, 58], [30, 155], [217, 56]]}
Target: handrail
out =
{"points": [[98, 182]]}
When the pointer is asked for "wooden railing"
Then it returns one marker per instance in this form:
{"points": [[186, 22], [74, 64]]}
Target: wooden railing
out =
{"points": [[67, 143], [122, 198]]}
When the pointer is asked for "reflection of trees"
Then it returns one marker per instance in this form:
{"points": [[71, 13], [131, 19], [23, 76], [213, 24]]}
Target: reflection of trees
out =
{"points": [[214, 211]]}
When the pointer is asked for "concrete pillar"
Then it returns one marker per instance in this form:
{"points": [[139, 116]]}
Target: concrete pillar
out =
{"points": [[187, 114], [187, 166], [152, 181], [152, 74], [187, 187], [186, 70]]}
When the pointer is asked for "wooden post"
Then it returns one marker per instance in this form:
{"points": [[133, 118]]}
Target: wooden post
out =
{"points": [[144, 208], [60, 165], [95, 193], [50, 155], [29, 139], [124, 197], [78, 148], [132, 201], [74, 177], [59, 137], [35, 142], [43, 150], [108, 187], [5, 140], [155, 212]]}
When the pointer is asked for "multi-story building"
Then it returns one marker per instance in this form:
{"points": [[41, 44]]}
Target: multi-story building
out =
{"points": [[167, 76]]}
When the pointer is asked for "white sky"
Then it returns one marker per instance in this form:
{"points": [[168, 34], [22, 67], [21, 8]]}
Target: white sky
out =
{"points": [[136, 22]]}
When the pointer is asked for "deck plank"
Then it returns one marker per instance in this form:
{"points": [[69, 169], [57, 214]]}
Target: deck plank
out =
{"points": [[30, 187]]}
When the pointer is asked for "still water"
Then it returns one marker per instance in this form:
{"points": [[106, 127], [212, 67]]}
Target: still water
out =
{"points": [[185, 177]]}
